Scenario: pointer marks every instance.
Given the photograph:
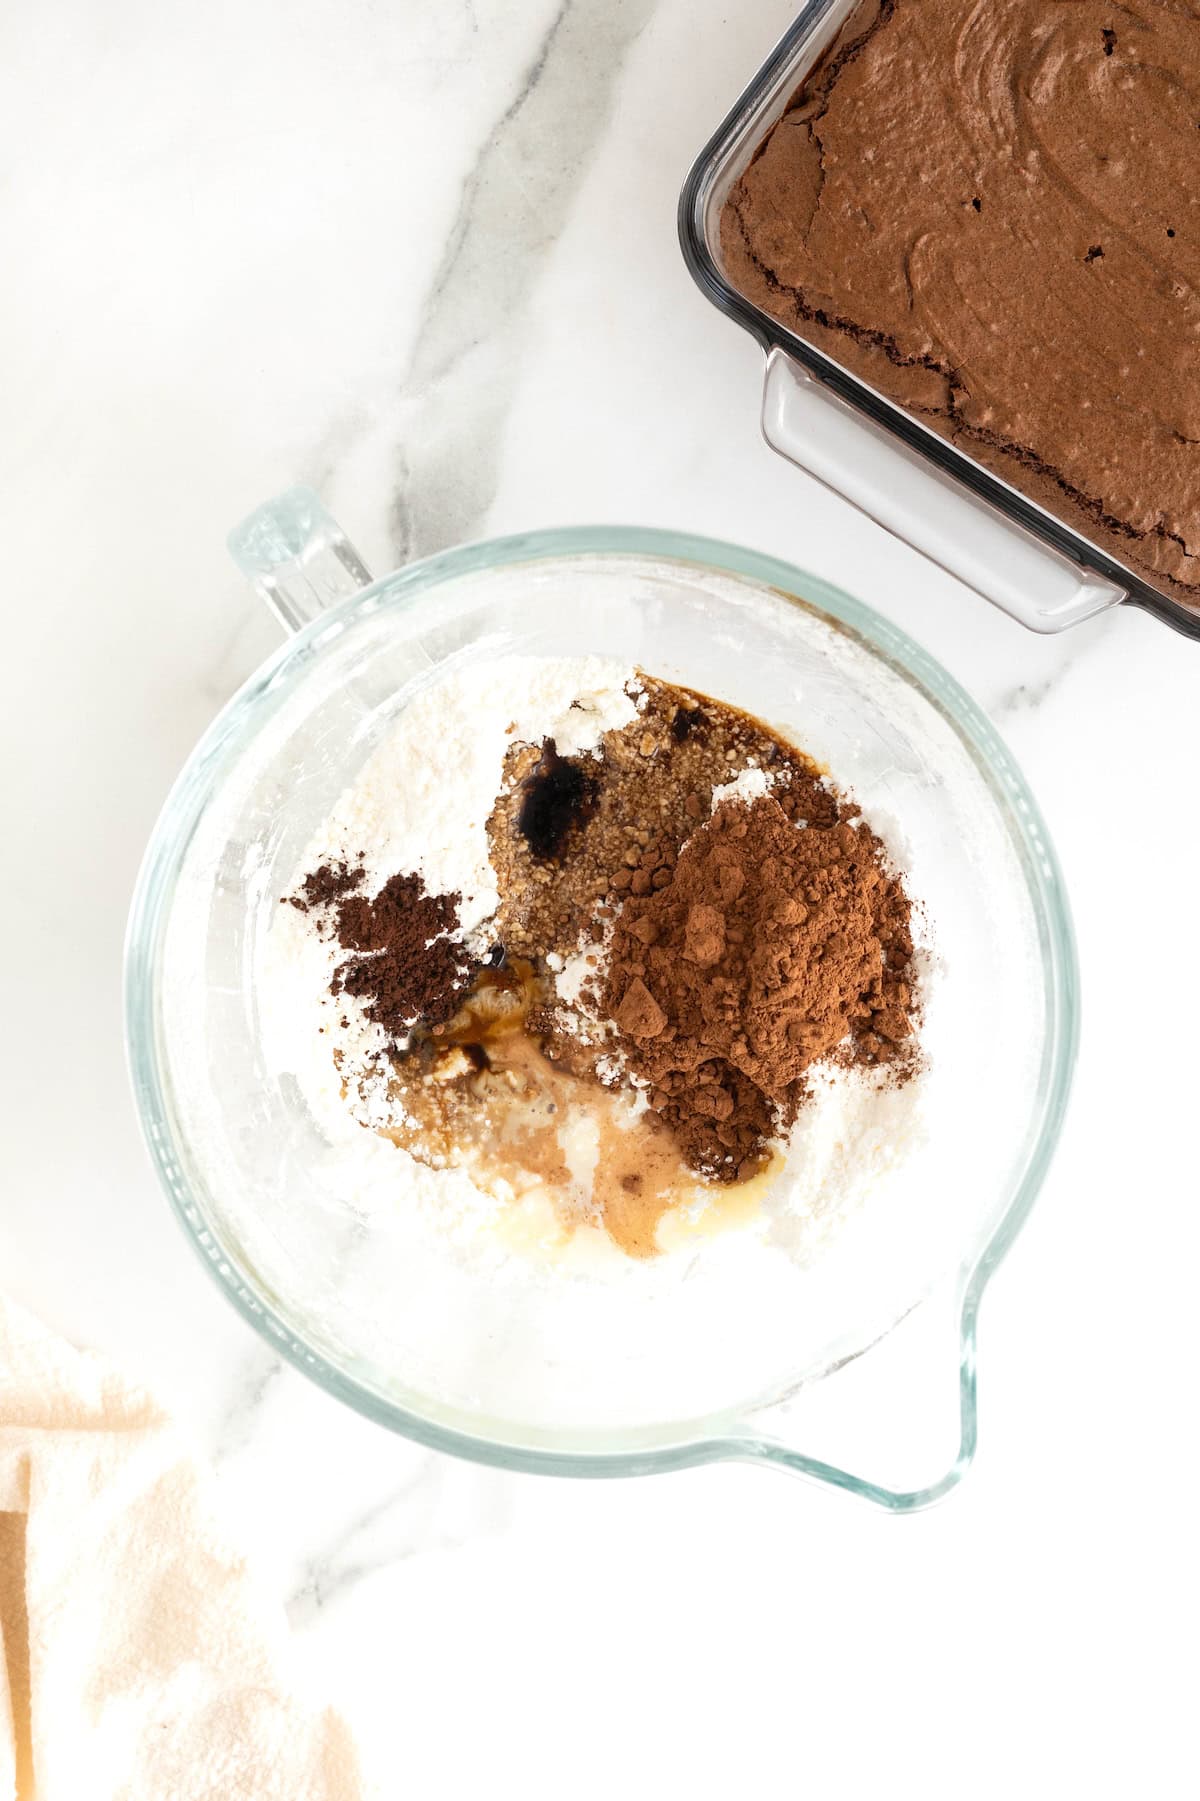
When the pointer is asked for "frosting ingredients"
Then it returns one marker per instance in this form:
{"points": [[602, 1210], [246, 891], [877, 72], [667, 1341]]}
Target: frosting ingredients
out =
{"points": [[598, 944]]}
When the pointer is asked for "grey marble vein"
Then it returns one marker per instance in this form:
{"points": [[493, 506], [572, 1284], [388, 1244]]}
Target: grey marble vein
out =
{"points": [[259, 1373], [1065, 655], [423, 1513], [515, 201], [1024, 697]]}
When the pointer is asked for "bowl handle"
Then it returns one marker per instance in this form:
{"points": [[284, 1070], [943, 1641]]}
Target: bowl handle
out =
{"points": [[297, 557], [923, 506], [895, 1425]]}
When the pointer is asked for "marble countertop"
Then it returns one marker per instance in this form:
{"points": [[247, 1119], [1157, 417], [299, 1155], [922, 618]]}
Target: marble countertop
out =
{"points": [[423, 257]]}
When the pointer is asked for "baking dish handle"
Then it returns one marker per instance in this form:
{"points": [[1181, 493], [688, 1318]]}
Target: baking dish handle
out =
{"points": [[297, 557], [923, 507]]}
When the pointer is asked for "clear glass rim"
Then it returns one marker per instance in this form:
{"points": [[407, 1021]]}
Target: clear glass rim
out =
{"points": [[726, 1438]]}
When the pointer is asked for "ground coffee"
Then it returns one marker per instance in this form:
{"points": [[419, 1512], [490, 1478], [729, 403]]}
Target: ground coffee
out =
{"points": [[410, 966]]}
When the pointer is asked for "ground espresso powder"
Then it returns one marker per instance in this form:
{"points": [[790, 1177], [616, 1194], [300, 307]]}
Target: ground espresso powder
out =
{"points": [[413, 969], [772, 946], [322, 887], [408, 966]]}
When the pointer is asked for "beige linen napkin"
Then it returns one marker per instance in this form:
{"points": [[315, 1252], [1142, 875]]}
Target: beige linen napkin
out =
{"points": [[137, 1663]]}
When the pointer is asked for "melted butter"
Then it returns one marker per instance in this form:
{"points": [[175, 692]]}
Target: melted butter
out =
{"points": [[721, 1206], [482, 1094], [496, 1008]]}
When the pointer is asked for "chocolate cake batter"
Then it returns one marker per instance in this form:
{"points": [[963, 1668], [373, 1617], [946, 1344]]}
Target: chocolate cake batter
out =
{"points": [[990, 210]]}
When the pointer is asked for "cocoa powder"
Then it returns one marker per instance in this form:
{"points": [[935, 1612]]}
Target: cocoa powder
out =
{"points": [[771, 947]]}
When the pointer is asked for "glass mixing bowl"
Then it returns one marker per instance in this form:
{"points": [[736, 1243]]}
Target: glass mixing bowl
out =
{"points": [[850, 1360]]}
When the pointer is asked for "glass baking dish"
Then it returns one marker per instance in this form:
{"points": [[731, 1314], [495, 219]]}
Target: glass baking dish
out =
{"points": [[889, 465]]}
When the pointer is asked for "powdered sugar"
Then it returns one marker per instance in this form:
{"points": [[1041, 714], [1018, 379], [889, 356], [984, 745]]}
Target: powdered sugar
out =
{"points": [[749, 784]]}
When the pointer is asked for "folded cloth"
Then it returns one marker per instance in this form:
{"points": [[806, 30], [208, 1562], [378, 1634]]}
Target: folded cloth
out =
{"points": [[137, 1661]]}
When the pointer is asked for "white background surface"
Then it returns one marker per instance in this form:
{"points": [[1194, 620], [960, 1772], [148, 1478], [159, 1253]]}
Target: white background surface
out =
{"points": [[423, 256]]}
